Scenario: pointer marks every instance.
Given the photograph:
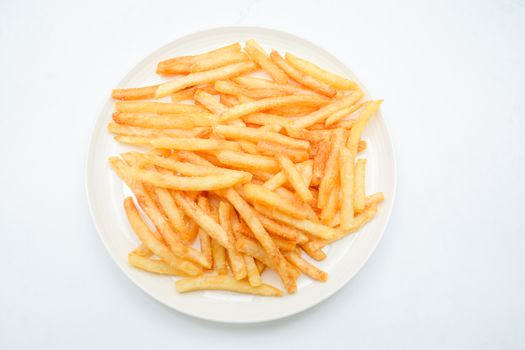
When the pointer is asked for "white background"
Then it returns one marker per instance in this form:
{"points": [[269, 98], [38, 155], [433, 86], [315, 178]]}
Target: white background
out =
{"points": [[450, 270]]}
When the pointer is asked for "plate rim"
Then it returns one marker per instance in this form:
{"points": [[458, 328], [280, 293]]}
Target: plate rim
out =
{"points": [[88, 181]]}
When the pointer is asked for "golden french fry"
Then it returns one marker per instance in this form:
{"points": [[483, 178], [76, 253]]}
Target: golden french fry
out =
{"points": [[193, 79], [174, 214], [295, 179], [210, 226], [134, 140], [331, 168], [193, 144], [271, 149], [142, 250], [262, 118], [346, 166], [228, 100], [258, 55], [246, 108], [304, 225], [183, 183], [357, 129], [165, 121], [154, 244], [127, 130], [359, 185], [193, 158], [258, 83], [325, 111], [332, 204], [254, 277], [156, 107], [209, 102], [260, 194], [226, 283], [219, 258], [374, 199], [260, 266], [169, 66], [231, 88], [153, 265], [248, 147], [204, 238], [278, 229], [334, 80], [305, 267], [218, 60], [142, 93], [300, 77], [235, 259], [297, 201], [248, 215], [252, 162], [256, 135], [318, 254], [342, 113]]}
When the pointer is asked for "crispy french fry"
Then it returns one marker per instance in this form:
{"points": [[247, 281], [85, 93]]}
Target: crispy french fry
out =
{"points": [[226, 283], [295, 179], [219, 258], [305, 267], [154, 244], [193, 79], [210, 226], [296, 200], [174, 214], [256, 135], [153, 265], [252, 162], [248, 215], [209, 102], [166, 121], [260, 266], [332, 205], [346, 166], [300, 77], [359, 185], [254, 277], [156, 107], [281, 230], [248, 147], [304, 225], [142, 93], [271, 149], [204, 238], [361, 147], [218, 60], [246, 108], [258, 83], [193, 144], [193, 158], [142, 250], [228, 100], [231, 88], [342, 113], [357, 129], [325, 111], [263, 119], [374, 199], [334, 80], [235, 259], [318, 254], [134, 140], [127, 130], [258, 55], [260, 194], [331, 168]]}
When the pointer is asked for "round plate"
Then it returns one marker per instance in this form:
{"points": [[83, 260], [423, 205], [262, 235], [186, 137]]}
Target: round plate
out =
{"points": [[344, 258]]}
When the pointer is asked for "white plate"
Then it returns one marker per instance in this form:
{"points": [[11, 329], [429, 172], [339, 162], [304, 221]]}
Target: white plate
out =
{"points": [[106, 193]]}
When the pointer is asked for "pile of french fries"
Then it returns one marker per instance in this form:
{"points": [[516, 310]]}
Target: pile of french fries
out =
{"points": [[252, 165]]}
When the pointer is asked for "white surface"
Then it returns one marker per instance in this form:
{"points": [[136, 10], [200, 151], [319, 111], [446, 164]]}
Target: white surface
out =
{"points": [[450, 270], [344, 258]]}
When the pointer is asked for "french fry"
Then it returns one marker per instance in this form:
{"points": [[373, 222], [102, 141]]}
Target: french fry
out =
{"points": [[318, 254], [342, 113], [256, 135], [295, 111], [308, 135], [210, 226], [300, 77], [134, 140], [258, 55], [305, 267], [152, 265], [280, 178], [254, 277], [361, 146], [193, 79], [226, 283], [252, 162], [194, 158], [193, 144], [182, 64], [260, 266], [374, 199], [320, 159], [127, 130], [248, 147], [258, 83], [142, 251], [325, 111], [297, 201], [219, 258], [359, 185], [331, 169], [156, 107], [154, 244], [246, 108], [248, 215], [142, 93], [166, 121], [262, 118], [235, 259], [183, 183], [209, 102], [228, 100], [218, 60], [334, 80], [295, 179], [278, 229], [174, 214], [230, 88], [357, 129], [271, 149], [260, 194], [304, 225], [332, 205], [346, 166], [204, 238]]}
